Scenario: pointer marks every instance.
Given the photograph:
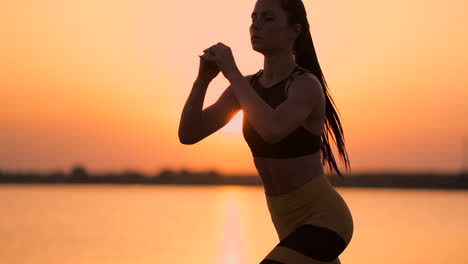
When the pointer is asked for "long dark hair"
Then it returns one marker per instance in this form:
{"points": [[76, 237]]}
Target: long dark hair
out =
{"points": [[306, 57]]}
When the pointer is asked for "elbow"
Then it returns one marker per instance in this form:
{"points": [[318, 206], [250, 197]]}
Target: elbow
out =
{"points": [[274, 133], [272, 140], [185, 138], [272, 137], [185, 141]]}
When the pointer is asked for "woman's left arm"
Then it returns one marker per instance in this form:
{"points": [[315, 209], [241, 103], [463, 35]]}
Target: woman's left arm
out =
{"points": [[274, 124], [260, 115]]}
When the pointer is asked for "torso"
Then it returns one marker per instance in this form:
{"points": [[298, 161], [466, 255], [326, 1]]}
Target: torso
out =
{"points": [[281, 176]]}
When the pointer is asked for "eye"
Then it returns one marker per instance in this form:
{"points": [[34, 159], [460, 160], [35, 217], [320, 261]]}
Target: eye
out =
{"points": [[266, 19]]}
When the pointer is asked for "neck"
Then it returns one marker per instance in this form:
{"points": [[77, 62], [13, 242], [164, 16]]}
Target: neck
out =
{"points": [[277, 66]]}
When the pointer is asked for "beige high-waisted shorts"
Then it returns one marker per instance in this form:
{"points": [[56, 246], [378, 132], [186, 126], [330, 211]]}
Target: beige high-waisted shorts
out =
{"points": [[317, 203]]}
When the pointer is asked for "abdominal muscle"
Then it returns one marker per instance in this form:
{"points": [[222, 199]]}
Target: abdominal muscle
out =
{"points": [[280, 176]]}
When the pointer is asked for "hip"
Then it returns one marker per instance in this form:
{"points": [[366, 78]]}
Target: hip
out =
{"points": [[315, 202]]}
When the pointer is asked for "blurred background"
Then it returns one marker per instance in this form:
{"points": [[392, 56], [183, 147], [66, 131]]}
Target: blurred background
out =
{"points": [[103, 84]]}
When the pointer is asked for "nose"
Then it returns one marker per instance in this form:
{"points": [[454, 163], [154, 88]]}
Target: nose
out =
{"points": [[254, 31], [255, 26]]}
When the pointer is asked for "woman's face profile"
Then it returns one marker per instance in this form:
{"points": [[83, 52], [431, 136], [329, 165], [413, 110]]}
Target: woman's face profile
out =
{"points": [[270, 31]]}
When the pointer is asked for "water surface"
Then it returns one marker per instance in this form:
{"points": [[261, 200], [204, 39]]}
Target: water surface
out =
{"points": [[96, 224]]}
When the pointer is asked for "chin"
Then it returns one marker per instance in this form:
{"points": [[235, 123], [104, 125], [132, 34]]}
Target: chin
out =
{"points": [[257, 48]]}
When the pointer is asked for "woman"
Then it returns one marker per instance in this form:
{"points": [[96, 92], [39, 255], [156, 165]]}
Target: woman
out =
{"points": [[286, 108]]}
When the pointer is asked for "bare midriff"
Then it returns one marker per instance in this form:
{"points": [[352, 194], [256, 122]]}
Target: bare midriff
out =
{"points": [[280, 176]]}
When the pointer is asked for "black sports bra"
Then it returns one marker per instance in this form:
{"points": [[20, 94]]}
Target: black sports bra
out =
{"points": [[299, 143]]}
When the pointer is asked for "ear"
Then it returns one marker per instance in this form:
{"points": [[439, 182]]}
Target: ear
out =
{"points": [[298, 29]]}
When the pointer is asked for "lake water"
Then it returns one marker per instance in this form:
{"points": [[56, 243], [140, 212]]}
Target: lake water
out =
{"points": [[131, 224]]}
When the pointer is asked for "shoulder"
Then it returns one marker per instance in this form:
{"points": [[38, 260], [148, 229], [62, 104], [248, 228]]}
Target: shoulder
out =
{"points": [[304, 75], [306, 82]]}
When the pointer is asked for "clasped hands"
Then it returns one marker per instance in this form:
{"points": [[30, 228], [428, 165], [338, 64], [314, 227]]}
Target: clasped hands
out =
{"points": [[222, 56]]}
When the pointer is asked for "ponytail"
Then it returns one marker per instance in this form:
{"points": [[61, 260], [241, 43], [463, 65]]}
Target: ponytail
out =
{"points": [[306, 57]]}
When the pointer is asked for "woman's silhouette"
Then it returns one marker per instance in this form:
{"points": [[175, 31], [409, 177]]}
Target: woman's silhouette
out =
{"points": [[286, 109]]}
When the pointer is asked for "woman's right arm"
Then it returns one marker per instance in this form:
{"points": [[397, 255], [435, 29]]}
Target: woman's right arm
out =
{"points": [[191, 118], [197, 123]]}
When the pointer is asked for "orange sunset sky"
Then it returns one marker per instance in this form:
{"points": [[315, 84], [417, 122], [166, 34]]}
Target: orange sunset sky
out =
{"points": [[103, 83]]}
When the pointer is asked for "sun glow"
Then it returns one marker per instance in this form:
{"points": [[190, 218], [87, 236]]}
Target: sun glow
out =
{"points": [[235, 125]]}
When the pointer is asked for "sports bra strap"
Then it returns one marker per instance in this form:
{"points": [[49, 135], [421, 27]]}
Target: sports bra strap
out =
{"points": [[296, 72]]}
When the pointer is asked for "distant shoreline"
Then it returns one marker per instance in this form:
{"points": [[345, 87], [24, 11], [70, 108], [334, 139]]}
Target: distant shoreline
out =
{"points": [[79, 175]]}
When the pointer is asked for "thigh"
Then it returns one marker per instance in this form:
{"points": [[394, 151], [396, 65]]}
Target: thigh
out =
{"points": [[307, 244]]}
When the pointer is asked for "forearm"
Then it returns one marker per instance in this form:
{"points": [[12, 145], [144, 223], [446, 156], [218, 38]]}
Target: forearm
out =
{"points": [[260, 115], [191, 117]]}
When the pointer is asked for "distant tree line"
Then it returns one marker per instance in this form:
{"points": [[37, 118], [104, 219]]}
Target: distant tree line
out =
{"points": [[80, 175]]}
